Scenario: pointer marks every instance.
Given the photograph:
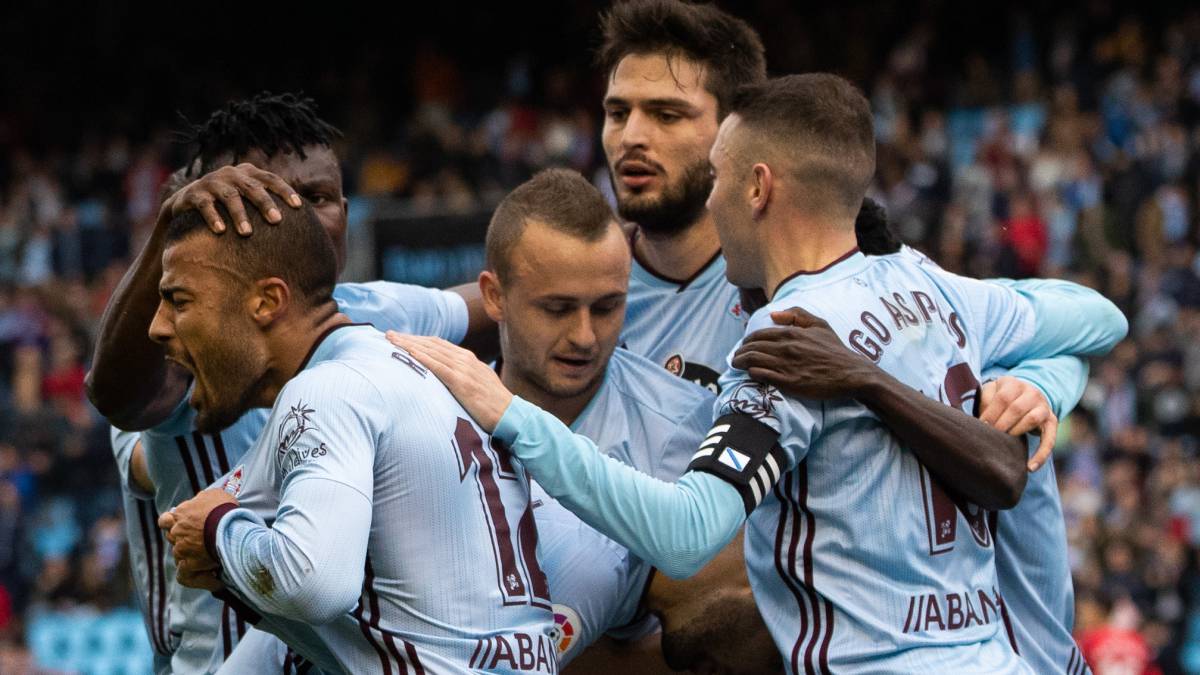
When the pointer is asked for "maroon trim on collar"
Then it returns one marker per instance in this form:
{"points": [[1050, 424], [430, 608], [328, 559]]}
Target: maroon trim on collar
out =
{"points": [[682, 283], [321, 338], [802, 273]]}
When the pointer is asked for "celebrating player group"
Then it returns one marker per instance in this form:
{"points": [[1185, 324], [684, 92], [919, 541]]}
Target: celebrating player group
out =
{"points": [[733, 427]]}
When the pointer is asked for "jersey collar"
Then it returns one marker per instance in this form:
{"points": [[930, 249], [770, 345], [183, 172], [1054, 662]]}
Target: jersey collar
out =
{"points": [[646, 274], [847, 265]]}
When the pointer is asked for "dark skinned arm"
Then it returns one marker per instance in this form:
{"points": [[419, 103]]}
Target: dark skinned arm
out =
{"points": [[130, 382], [806, 359]]}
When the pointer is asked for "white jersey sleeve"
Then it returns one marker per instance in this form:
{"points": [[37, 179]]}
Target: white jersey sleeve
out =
{"points": [[405, 307], [308, 564]]}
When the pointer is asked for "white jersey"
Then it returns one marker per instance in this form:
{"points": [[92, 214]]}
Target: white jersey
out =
{"points": [[686, 327], [181, 461], [652, 421], [146, 546], [836, 596], [379, 530]]}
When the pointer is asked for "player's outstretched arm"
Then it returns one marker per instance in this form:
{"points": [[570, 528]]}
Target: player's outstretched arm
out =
{"points": [[804, 358], [130, 382], [676, 527], [1070, 320]]}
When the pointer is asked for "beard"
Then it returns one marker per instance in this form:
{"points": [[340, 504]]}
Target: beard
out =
{"points": [[678, 207], [239, 376]]}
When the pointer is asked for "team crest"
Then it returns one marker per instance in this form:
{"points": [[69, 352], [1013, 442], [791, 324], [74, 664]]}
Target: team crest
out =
{"points": [[693, 372], [565, 627], [233, 484], [756, 400], [674, 365]]}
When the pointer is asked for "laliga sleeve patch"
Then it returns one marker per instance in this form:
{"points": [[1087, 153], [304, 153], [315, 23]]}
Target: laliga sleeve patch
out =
{"points": [[566, 628], [745, 453]]}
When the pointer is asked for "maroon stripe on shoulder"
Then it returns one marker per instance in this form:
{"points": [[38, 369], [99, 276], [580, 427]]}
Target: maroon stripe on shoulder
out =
{"points": [[203, 457], [157, 539], [241, 626], [222, 458], [781, 567], [287, 662], [186, 454]]}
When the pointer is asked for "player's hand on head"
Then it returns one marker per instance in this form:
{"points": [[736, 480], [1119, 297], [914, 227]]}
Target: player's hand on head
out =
{"points": [[1017, 407], [231, 186], [475, 385], [803, 357]]}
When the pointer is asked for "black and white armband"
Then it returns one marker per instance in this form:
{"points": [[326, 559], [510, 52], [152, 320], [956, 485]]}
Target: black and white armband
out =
{"points": [[743, 452]]}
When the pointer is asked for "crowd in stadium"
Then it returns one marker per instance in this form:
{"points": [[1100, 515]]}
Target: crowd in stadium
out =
{"points": [[1078, 157]]}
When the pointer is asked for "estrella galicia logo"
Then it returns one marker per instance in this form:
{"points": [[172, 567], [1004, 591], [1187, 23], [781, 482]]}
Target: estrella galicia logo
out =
{"points": [[756, 400], [291, 430], [693, 372]]}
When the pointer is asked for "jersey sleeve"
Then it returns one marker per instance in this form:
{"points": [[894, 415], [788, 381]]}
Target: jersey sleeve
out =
{"points": [[759, 435], [1061, 380], [405, 308], [123, 443], [676, 527], [595, 583], [309, 563], [1069, 318]]}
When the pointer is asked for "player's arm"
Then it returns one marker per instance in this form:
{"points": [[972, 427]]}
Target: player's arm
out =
{"points": [[130, 382], [676, 527], [806, 359]]}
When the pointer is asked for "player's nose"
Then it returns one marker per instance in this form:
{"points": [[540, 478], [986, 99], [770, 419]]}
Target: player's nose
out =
{"points": [[637, 131], [161, 328], [583, 331]]}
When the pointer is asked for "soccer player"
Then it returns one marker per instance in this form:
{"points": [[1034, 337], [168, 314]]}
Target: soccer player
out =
{"points": [[400, 537], [862, 558], [672, 68], [275, 137]]}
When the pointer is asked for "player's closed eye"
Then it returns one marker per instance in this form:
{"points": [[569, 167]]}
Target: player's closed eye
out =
{"points": [[667, 117], [316, 198], [617, 114]]}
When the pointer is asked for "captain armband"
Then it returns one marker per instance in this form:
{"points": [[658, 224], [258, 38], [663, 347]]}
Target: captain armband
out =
{"points": [[744, 453]]}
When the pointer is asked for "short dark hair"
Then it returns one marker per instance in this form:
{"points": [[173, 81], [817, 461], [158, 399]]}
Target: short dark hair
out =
{"points": [[273, 123], [559, 198], [874, 233], [824, 124], [729, 49], [297, 249]]}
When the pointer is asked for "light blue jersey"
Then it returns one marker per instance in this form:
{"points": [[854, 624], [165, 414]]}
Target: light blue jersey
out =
{"points": [[1031, 540], [379, 530], [202, 631], [146, 545], [686, 327], [859, 560], [645, 418]]}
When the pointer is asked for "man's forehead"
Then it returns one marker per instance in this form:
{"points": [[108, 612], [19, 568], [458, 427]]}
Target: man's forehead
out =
{"points": [[319, 164], [193, 258], [548, 255], [657, 74]]}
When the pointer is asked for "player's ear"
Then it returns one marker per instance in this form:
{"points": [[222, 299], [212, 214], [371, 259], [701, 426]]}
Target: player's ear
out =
{"points": [[269, 300], [761, 183], [493, 295]]}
